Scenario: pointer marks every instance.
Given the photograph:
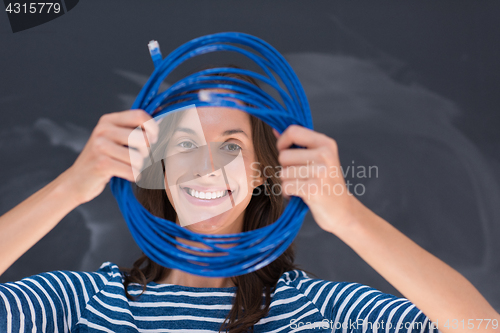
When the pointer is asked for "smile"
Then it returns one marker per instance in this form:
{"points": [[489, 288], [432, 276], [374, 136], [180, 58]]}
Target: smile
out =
{"points": [[206, 195]]}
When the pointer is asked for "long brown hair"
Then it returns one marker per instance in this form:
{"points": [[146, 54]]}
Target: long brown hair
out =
{"points": [[264, 208]]}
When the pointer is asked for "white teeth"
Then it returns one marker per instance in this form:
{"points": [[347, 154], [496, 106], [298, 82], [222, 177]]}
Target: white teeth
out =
{"points": [[206, 195]]}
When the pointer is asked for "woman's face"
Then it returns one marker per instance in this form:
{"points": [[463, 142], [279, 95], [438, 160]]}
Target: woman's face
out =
{"points": [[209, 178]]}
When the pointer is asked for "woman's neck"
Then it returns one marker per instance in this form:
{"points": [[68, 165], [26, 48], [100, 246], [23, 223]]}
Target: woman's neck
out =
{"points": [[182, 278]]}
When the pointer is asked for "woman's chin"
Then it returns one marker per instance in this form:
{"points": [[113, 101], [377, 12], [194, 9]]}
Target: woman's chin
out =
{"points": [[209, 226]]}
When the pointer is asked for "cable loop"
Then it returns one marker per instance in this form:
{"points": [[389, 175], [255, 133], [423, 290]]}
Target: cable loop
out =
{"points": [[159, 238]]}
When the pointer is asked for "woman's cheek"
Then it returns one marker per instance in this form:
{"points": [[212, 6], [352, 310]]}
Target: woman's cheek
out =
{"points": [[169, 196], [250, 174], [254, 175], [236, 173]]}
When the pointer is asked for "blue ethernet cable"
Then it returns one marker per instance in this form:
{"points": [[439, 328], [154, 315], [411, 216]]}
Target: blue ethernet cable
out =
{"points": [[251, 250]]}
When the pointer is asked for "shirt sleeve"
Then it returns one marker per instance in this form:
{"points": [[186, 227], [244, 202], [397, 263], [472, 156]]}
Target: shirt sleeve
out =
{"points": [[354, 307], [47, 302]]}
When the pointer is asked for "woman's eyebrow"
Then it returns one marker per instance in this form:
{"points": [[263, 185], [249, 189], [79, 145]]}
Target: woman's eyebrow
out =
{"points": [[185, 129], [234, 131]]}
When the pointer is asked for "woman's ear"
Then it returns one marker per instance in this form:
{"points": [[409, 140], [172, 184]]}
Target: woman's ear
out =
{"points": [[257, 179], [260, 181]]}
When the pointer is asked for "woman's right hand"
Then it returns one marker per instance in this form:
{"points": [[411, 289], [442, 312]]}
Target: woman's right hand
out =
{"points": [[105, 154]]}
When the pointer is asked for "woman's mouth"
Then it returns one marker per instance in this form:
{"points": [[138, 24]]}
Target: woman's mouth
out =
{"points": [[206, 195]]}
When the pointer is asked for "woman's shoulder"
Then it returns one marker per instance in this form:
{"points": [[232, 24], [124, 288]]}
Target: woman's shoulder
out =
{"points": [[65, 284], [55, 298], [334, 299], [110, 271], [303, 282], [326, 291], [106, 273], [307, 285]]}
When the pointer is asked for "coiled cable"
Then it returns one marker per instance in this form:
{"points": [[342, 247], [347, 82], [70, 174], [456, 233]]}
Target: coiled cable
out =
{"points": [[248, 251]]}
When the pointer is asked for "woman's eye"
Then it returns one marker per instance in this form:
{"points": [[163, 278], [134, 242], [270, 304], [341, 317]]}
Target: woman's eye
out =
{"points": [[232, 147], [187, 145]]}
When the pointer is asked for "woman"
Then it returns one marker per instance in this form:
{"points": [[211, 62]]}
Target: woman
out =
{"points": [[277, 297]]}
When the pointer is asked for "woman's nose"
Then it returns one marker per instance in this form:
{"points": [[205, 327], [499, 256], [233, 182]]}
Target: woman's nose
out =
{"points": [[203, 164]]}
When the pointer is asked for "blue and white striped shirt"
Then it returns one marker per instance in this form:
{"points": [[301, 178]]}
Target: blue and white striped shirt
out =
{"points": [[63, 301]]}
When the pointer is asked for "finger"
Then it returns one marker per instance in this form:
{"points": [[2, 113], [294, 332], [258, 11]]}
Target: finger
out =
{"points": [[137, 139], [305, 156], [125, 155], [304, 172], [276, 134], [132, 119], [305, 189], [294, 187], [301, 136], [122, 170], [127, 137]]}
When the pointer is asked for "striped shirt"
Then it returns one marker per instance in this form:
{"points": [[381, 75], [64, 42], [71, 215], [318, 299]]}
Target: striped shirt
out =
{"points": [[63, 301]]}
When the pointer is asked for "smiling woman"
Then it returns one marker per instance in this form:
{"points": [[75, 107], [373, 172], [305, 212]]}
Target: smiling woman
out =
{"points": [[205, 149], [209, 152]]}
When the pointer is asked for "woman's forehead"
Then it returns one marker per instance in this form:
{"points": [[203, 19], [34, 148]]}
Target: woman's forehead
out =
{"points": [[216, 119]]}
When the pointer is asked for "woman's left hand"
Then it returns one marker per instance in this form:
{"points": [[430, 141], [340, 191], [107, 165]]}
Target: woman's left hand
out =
{"points": [[434, 287], [315, 175]]}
